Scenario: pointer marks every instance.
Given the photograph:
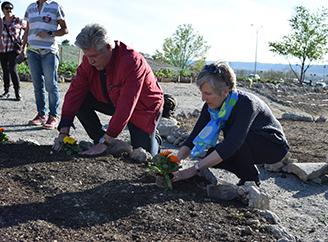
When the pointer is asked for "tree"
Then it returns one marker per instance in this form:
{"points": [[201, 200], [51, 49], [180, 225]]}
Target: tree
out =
{"points": [[65, 42], [183, 47], [307, 43]]}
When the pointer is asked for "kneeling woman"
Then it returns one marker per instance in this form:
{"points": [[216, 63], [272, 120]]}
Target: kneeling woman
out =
{"points": [[252, 135]]}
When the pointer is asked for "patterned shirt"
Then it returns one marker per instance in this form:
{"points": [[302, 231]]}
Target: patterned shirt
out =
{"points": [[15, 29], [46, 20]]}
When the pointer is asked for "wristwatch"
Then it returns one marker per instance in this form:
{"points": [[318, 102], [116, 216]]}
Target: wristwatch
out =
{"points": [[197, 167], [103, 141], [50, 33]]}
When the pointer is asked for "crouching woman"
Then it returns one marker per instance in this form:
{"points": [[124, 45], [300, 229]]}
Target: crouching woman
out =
{"points": [[252, 135]]}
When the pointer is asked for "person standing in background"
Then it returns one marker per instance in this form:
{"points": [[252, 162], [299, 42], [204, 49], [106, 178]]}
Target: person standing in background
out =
{"points": [[12, 27], [43, 18]]}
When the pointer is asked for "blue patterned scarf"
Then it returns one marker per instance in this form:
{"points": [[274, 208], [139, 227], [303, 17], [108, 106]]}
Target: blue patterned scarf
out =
{"points": [[210, 133]]}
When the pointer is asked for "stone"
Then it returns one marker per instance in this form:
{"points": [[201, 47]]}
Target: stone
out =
{"points": [[141, 155], [256, 198], [321, 119], [119, 147], [287, 156], [171, 139], [222, 191], [290, 161], [276, 167], [267, 214], [298, 117], [167, 126], [279, 232], [29, 141], [317, 180], [308, 171], [208, 175]]}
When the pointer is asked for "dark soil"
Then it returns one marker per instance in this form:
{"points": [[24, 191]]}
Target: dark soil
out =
{"points": [[59, 197]]}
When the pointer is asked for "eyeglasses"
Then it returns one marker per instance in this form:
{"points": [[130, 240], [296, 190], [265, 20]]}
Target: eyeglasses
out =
{"points": [[8, 8], [216, 70], [213, 70]]}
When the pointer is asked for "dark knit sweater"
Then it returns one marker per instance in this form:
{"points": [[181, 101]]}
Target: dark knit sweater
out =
{"points": [[250, 114]]}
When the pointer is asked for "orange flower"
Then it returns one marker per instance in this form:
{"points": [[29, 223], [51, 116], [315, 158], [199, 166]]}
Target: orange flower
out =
{"points": [[2, 129], [173, 158], [165, 153]]}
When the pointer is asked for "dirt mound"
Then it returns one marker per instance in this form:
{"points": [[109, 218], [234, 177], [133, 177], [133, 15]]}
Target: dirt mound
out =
{"points": [[61, 197]]}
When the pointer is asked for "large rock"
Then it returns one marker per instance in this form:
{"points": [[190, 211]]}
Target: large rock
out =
{"points": [[298, 117], [119, 147], [308, 171]]}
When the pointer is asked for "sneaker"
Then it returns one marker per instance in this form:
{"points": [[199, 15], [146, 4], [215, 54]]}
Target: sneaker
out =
{"points": [[5, 94], [38, 120], [52, 123]]}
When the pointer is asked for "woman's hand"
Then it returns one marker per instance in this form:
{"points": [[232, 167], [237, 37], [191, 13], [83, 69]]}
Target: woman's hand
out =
{"points": [[184, 174], [95, 150]]}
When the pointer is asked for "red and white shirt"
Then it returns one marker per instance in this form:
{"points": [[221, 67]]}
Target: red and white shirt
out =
{"points": [[15, 28]]}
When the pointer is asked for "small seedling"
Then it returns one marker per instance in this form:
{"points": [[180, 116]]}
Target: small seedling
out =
{"points": [[239, 215]]}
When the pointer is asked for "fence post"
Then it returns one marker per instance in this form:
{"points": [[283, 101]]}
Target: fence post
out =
{"points": [[80, 53], [61, 54]]}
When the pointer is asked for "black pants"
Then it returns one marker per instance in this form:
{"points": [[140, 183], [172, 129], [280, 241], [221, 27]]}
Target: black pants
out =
{"points": [[91, 123], [255, 150], [9, 67]]}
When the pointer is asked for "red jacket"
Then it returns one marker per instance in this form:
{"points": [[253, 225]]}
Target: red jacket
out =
{"points": [[132, 87]]}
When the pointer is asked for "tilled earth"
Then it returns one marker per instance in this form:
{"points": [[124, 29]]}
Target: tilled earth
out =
{"points": [[59, 197]]}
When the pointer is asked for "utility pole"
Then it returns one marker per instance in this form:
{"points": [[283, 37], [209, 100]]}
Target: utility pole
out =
{"points": [[257, 32]]}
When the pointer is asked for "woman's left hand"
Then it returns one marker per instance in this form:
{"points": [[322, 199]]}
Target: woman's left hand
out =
{"points": [[184, 174]]}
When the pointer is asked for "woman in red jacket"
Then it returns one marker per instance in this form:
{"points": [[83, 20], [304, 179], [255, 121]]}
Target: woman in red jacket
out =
{"points": [[115, 80]]}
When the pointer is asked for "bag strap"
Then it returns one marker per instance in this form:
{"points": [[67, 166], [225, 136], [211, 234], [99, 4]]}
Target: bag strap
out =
{"points": [[11, 38]]}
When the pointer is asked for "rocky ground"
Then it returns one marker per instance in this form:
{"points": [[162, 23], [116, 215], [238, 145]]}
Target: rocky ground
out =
{"points": [[59, 197]]}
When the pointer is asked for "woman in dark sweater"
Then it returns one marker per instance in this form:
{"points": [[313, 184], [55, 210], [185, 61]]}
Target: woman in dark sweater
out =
{"points": [[252, 135]]}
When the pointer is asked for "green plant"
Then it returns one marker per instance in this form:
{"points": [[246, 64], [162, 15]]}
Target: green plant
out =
{"points": [[239, 215], [69, 145], [23, 67], [68, 68], [164, 164], [322, 219], [3, 136]]}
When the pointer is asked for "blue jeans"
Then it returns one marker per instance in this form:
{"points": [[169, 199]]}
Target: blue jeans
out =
{"points": [[44, 76]]}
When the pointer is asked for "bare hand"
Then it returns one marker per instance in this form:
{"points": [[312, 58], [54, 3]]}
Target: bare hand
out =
{"points": [[56, 145], [95, 150], [184, 174], [43, 34]]}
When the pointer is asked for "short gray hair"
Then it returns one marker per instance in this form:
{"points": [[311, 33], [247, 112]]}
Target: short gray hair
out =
{"points": [[96, 35], [218, 81]]}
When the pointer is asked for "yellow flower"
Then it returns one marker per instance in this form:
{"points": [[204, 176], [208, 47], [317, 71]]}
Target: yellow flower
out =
{"points": [[69, 140]]}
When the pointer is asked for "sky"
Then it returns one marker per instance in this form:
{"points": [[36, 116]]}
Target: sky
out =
{"points": [[225, 25]]}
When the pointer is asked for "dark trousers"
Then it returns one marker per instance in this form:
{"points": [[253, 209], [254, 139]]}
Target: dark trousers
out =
{"points": [[256, 150], [91, 123], [9, 67]]}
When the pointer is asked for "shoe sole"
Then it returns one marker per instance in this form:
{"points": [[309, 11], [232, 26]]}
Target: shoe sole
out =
{"points": [[48, 128], [30, 123]]}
